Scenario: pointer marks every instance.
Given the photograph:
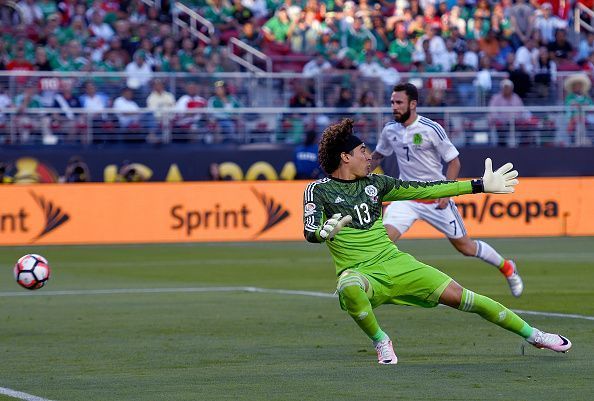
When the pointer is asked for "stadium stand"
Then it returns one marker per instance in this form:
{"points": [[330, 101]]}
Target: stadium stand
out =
{"points": [[52, 53]]}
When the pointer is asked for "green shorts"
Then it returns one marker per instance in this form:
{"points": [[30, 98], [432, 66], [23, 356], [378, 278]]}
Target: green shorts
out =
{"points": [[403, 280]]}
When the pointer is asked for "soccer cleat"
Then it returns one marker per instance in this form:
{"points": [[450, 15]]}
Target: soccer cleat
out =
{"points": [[554, 342], [516, 285], [385, 352]]}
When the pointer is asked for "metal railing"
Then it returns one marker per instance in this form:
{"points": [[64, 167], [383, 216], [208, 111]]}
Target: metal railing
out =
{"points": [[276, 89], [578, 22], [197, 22], [237, 49], [466, 126]]}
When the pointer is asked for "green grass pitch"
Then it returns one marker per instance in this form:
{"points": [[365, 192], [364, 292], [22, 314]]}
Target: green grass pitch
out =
{"points": [[67, 342]]}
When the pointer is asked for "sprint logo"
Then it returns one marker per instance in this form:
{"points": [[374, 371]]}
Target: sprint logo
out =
{"points": [[275, 212], [54, 216]]}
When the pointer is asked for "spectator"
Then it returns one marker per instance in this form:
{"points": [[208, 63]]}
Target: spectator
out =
{"points": [[220, 14], [547, 23], [380, 34], [250, 35], [562, 51], [317, 66], [522, 21], [456, 21], [138, 72], [489, 45], [30, 12], [545, 73], [302, 97], [94, 103], [585, 47], [305, 158], [370, 67], [115, 46], [47, 7], [527, 57], [159, 101], [520, 78], [345, 98], [19, 62], [226, 122], [99, 28], [483, 82], [5, 102], [401, 49], [501, 120], [436, 98], [577, 87], [437, 46], [390, 75], [191, 101], [127, 110], [367, 99], [258, 7], [355, 36], [67, 120], [279, 28], [27, 122], [41, 61]]}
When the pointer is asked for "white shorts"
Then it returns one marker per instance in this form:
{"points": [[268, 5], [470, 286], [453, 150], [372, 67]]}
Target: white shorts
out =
{"points": [[402, 214]]}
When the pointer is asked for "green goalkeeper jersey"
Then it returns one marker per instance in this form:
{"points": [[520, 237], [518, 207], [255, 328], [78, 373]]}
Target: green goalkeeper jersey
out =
{"points": [[365, 241]]}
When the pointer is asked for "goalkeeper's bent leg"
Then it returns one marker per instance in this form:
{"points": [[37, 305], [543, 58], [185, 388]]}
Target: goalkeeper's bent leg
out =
{"points": [[351, 289], [494, 312]]}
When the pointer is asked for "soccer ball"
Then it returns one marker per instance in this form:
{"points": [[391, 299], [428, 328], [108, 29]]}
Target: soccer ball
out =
{"points": [[32, 271]]}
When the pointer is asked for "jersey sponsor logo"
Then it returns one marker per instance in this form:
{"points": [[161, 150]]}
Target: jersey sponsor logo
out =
{"points": [[309, 209], [417, 139], [338, 200], [371, 191]]}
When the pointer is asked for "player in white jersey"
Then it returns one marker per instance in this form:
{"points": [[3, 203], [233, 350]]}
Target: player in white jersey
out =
{"points": [[420, 145]]}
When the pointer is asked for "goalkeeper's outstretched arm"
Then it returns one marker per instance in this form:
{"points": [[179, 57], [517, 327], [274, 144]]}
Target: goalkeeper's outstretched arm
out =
{"points": [[501, 181]]}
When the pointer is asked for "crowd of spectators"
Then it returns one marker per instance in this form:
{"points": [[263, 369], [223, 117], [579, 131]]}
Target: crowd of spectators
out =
{"points": [[527, 39]]}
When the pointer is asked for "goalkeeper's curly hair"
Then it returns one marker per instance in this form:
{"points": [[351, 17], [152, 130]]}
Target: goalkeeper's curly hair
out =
{"points": [[333, 138]]}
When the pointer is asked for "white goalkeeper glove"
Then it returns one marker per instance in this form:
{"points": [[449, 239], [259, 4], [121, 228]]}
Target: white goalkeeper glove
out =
{"points": [[501, 181], [333, 225]]}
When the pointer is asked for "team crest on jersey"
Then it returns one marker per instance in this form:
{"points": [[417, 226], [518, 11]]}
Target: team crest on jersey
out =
{"points": [[371, 191], [309, 209], [417, 139]]}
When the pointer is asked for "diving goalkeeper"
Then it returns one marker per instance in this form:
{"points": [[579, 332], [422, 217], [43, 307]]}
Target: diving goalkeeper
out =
{"points": [[344, 211]]}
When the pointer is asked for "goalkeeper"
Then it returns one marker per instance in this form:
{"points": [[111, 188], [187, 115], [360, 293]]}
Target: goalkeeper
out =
{"points": [[344, 211]]}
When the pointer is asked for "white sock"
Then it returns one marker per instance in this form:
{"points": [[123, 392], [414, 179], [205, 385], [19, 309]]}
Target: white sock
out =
{"points": [[486, 252]]}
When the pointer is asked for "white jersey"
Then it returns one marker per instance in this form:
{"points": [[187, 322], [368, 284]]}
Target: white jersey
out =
{"points": [[419, 149]]}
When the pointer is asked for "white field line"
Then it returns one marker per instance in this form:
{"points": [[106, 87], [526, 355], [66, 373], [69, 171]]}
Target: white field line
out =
{"points": [[20, 395], [195, 261], [316, 294]]}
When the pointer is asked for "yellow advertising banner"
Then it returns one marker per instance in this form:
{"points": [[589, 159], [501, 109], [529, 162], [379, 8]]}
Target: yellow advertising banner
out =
{"points": [[256, 211]]}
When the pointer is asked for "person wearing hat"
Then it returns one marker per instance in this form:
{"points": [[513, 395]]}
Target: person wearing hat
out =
{"points": [[547, 23], [226, 122], [577, 87]]}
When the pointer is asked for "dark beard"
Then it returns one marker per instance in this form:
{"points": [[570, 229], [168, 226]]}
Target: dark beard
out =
{"points": [[403, 117]]}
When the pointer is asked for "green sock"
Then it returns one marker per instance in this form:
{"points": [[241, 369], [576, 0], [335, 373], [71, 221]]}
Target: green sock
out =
{"points": [[494, 312], [359, 308]]}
